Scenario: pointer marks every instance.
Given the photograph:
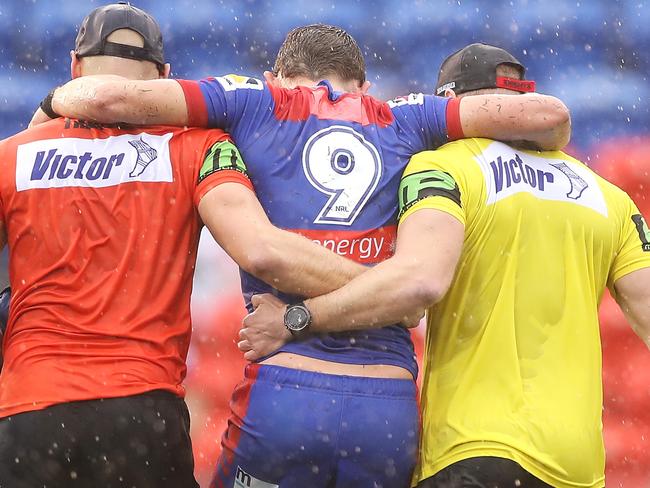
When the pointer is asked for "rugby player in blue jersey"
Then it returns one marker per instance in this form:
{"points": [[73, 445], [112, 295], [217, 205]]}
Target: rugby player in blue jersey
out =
{"points": [[325, 160]]}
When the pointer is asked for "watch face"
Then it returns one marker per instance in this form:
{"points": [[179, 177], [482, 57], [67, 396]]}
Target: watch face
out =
{"points": [[296, 318]]}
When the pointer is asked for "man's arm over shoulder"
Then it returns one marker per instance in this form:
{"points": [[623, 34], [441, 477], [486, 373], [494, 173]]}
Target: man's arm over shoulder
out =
{"points": [[430, 121], [112, 99], [233, 102], [541, 119]]}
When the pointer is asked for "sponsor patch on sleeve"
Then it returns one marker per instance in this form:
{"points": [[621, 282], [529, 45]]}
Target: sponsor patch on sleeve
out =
{"points": [[644, 232], [424, 184], [222, 156], [411, 99], [236, 82]]}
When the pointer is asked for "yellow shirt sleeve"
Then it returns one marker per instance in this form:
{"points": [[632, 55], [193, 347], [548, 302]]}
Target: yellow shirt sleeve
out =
{"points": [[433, 180], [436, 203], [634, 248]]}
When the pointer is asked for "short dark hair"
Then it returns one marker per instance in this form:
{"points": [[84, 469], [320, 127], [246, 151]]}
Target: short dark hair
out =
{"points": [[317, 51]]}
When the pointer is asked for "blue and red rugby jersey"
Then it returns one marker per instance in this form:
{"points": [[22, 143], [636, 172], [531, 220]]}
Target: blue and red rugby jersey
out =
{"points": [[327, 165]]}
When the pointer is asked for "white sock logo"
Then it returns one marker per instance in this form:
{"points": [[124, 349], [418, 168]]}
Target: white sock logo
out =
{"points": [[146, 154]]}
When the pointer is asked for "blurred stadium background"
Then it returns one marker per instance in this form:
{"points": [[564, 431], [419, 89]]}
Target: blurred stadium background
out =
{"points": [[593, 54]]}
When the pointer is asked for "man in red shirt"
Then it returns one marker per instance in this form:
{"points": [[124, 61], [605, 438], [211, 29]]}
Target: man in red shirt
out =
{"points": [[102, 224]]}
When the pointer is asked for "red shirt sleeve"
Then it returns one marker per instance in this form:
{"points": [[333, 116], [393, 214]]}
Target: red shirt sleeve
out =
{"points": [[216, 179], [222, 163]]}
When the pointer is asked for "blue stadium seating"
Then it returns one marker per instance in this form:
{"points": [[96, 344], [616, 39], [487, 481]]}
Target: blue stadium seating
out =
{"points": [[593, 54]]}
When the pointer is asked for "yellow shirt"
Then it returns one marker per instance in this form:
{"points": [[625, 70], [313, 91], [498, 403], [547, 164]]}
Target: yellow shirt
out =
{"points": [[513, 361]]}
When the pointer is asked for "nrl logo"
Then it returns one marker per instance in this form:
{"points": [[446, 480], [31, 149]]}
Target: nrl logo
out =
{"points": [[146, 154]]}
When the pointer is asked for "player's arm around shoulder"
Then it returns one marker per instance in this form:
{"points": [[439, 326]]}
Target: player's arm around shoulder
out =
{"points": [[112, 99], [541, 119]]}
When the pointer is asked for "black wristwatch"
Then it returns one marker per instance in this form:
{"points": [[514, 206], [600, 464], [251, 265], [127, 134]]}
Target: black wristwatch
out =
{"points": [[297, 320]]}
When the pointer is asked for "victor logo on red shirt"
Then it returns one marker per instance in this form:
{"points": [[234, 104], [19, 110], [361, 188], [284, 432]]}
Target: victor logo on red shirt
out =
{"points": [[57, 163]]}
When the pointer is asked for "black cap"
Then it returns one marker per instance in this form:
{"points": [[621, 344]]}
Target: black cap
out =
{"points": [[475, 67], [103, 21]]}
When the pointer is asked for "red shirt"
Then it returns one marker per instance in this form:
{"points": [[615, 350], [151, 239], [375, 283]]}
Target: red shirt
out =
{"points": [[102, 230]]}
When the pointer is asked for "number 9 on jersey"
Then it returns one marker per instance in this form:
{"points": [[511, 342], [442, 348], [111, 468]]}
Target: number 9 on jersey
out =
{"points": [[341, 163]]}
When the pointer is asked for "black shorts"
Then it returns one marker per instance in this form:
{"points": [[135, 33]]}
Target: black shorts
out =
{"points": [[136, 441], [483, 472]]}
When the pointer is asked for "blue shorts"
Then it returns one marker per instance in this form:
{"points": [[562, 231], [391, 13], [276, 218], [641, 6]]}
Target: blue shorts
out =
{"points": [[298, 429]]}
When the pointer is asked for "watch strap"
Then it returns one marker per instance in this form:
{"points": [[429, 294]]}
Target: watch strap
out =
{"points": [[304, 331]]}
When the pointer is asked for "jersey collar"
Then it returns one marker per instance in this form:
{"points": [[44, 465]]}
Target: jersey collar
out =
{"points": [[332, 94]]}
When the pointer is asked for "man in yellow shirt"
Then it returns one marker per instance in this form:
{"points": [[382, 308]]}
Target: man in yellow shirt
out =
{"points": [[512, 392], [512, 384]]}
